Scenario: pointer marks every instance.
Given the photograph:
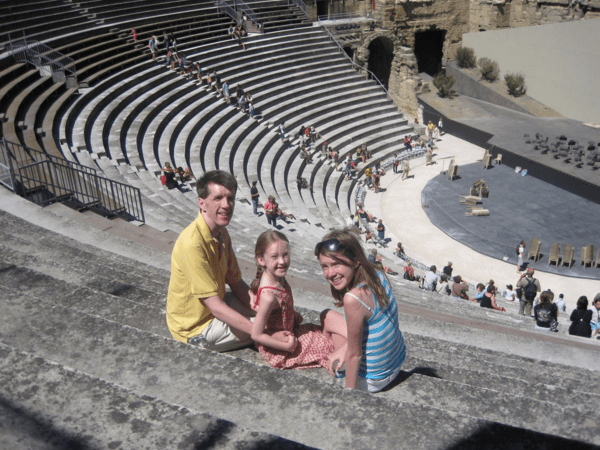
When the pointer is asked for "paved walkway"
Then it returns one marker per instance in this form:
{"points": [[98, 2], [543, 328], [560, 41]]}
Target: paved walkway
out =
{"points": [[406, 221]]}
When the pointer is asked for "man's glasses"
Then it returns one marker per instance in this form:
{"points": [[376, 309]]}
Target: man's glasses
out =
{"points": [[333, 245]]}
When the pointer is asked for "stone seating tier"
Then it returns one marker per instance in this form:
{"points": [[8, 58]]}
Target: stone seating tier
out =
{"points": [[122, 301]]}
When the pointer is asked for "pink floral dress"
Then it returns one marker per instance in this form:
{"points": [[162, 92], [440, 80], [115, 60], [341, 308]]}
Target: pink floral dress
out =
{"points": [[312, 348]]}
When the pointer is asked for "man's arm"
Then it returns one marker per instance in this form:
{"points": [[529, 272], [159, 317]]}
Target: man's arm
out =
{"points": [[224, 313], [242, 291]]}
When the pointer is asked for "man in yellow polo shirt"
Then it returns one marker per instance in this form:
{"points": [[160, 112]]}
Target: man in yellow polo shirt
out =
{"points": [[198, 309]]}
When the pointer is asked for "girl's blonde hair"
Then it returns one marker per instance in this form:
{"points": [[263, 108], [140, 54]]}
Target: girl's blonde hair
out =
{"points": [[262, 243], [351, 248]]}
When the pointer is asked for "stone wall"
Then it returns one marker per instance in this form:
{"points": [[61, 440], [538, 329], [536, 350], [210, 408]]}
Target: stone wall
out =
{"points": [[401, 20]]}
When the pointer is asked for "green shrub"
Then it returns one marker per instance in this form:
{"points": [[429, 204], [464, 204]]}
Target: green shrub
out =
{"points": [[466, 57], [444, 84], [515, 82], [489, 69]]}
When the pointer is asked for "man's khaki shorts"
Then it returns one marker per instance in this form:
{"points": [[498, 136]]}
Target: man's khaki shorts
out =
{"points": [[218, 335]]}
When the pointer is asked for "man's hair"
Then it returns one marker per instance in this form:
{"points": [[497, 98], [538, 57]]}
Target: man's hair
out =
{"points": [[530, 271], [433, 269], [220, 177]]}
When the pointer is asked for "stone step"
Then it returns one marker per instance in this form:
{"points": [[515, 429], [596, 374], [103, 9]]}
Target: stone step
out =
{"points": [[516, 354], [53, 226], [42, 398], [148, 364], [38, 273]]}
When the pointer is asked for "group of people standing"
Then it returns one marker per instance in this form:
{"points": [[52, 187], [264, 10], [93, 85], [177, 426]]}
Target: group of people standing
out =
{"points": [[364, 345]]}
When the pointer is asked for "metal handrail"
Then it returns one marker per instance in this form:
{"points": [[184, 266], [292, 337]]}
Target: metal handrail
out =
{"points": [[40, 55], [57, 179], [242, 6], [357, 65], [223, 6], [300, 4]]}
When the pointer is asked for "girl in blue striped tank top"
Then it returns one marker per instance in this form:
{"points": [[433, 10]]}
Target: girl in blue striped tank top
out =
{"points": [[367, 337]]}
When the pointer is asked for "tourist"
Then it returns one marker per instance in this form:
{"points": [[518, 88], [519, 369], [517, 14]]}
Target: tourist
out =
{"points": [[560, 303], [282, 132], [399, 252], [430, 279], [380, 230], [405, 169], [443, 287], [255, 196], [479, 294], [409, 272], [448, 269], [376, 260], [546, 314], [529, 288], [199, 311], [270, 211], [520, 252], [460, 288], [303, 345], [595, 321], [489, 299], [581, 318], [367, 337], [509, 294]]}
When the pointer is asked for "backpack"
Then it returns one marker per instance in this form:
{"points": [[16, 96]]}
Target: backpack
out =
{"points": [[530, 290], [163, 180]]}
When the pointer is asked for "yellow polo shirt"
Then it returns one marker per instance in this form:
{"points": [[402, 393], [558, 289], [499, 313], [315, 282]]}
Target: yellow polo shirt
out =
{"points": [[200, 267]]}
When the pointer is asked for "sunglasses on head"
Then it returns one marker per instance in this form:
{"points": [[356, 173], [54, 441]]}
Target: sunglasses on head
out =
{"points": [[333, 245]]}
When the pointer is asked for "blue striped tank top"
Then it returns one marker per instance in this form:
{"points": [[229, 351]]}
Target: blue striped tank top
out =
{"points": [[383, 346]]}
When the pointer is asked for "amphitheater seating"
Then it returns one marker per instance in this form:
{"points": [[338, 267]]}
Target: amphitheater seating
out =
{"points": [[118, 368], [122, 301], [199, 114]]}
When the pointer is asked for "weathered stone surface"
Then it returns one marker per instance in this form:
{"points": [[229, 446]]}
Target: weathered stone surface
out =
{"points": [[48, 406], [400, 20]]}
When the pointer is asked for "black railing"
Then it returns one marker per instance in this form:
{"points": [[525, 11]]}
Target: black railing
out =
{"points": [[46, 179]]}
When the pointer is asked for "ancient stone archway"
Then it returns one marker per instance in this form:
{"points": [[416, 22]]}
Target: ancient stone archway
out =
{"points": [[429, 50], [403, 83], [381, 54]]}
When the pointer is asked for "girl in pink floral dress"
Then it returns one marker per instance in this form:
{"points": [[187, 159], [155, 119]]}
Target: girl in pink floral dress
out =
{"points": [[304, 345]]}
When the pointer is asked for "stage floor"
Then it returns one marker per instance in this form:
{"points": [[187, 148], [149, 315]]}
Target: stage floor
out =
{"points": [[509, 127], [520, 208]]}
